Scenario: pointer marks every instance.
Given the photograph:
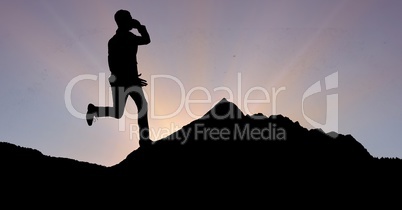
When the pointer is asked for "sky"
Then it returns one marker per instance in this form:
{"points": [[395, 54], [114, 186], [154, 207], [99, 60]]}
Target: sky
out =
{"points": [[266, 56]]}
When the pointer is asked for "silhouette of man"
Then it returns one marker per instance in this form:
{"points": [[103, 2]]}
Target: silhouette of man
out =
{"points": [[124, 79]]}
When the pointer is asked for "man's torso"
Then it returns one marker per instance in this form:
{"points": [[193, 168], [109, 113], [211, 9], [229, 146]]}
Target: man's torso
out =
{"points": [[122, 49]]}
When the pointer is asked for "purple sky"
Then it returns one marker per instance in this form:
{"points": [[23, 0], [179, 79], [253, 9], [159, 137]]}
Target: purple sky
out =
{"points": [[203, 49]]}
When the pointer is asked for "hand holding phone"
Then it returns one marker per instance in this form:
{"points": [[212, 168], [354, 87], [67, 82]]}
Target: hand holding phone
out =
{"points": [[135, 23]]}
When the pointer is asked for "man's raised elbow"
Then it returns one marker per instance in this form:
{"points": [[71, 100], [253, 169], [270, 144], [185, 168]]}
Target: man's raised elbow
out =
{"points": [[144, 42], [147, 41]]}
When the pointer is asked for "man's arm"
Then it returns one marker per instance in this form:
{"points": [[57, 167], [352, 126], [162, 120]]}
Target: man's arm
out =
{"points": [[144, 38]]}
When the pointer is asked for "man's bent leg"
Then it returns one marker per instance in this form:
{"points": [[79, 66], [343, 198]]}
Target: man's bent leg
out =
{"points": [[119, 102]]}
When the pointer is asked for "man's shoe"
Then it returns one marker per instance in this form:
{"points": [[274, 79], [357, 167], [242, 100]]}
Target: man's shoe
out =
{"points": [[91, 114]]}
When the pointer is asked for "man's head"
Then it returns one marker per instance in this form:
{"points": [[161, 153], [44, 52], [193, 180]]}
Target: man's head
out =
{"points": [[124, 20]]}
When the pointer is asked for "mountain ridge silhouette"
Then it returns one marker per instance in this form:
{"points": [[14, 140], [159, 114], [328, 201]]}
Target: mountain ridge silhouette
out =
{"points": [[190, 144], [219, 149]]}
